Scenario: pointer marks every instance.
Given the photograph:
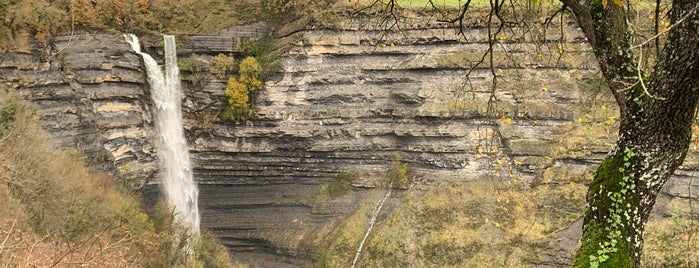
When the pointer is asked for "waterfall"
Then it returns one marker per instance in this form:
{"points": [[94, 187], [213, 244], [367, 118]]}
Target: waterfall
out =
{"points": [[178, 182]]}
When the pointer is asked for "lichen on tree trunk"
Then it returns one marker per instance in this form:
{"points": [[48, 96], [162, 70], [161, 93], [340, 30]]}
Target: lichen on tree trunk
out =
{"points": [[620, 199], [656, 117]]}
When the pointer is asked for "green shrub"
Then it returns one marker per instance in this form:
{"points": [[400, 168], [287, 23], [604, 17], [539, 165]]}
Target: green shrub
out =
{"points": [[193, 69], [338, 187], [400, 174], [210, 253], [264, 50], [8, 112]]}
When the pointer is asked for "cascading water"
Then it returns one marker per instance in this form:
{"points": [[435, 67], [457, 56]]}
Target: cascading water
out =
{"points": [[180, 189]]}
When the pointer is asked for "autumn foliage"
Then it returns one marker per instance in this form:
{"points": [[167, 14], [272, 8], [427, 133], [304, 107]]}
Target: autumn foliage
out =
{"points": [[241, 91], [56, 212], [223, 65], [41, 19]]}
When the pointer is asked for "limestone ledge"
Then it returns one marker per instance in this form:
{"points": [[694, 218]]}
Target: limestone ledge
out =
{"points": [[90, 95], [349, 99], [346, 99]]}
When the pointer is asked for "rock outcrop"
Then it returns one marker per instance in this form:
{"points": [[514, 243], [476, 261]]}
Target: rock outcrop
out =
{"points": [[347, 99], [91, 96]]}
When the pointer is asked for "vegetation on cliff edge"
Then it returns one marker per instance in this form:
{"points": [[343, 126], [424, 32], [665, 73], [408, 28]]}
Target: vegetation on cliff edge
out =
{"points": [[42, 19], [56, 212]]}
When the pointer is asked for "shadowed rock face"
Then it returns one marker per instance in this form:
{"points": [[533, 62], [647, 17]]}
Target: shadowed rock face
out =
{"points": [[346, 100]]}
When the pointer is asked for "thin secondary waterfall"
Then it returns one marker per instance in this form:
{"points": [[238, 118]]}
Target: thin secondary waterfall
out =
{"points": [[180, 189], [377, 210]]}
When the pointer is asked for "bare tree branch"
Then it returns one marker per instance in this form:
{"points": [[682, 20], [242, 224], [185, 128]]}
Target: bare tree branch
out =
{"points": [[640, 77], [658, 34]]}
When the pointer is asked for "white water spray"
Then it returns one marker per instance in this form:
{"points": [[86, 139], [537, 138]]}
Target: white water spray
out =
{"points": [[180, 189]]}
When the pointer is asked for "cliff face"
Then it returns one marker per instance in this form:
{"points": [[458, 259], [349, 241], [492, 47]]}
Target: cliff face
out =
{"points": [[353, 100], [347, 99], [342, 103], [90, 94]]}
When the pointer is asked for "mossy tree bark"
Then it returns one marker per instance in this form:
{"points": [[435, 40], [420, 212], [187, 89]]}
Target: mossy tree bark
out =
{"points": [[656, 116]]}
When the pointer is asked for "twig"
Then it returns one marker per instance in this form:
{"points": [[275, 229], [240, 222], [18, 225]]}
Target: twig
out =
{"points": [[6, 135], [629, 87], [9, 233], [640, 77], [550, 18], [72, 29], [668, 28], [491, 42], [31, 249], [108, 246], [459, 18]]}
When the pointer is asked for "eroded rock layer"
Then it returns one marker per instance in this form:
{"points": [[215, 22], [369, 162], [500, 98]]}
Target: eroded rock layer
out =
{"points": [[347, 99], [90, 94], [354, 100]]}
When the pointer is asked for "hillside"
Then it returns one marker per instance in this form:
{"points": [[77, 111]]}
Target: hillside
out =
{"points": [[58, 212]]}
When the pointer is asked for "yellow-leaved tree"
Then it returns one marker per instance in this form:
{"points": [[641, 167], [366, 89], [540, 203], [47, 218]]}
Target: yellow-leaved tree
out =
{"points": [[241, 92], [238, 100], [250, 71], [223, 64]]}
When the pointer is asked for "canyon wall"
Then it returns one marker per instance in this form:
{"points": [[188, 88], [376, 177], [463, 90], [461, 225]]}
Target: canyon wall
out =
{"points": [[348, 99], [90, 95]]}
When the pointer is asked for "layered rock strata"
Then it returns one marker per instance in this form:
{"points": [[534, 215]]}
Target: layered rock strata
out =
{"points": [[352, 99], [90, 95], [347, 99]]}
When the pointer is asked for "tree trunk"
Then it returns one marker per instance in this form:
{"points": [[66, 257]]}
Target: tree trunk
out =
{"points": [[620, 200], [656, 118]]}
